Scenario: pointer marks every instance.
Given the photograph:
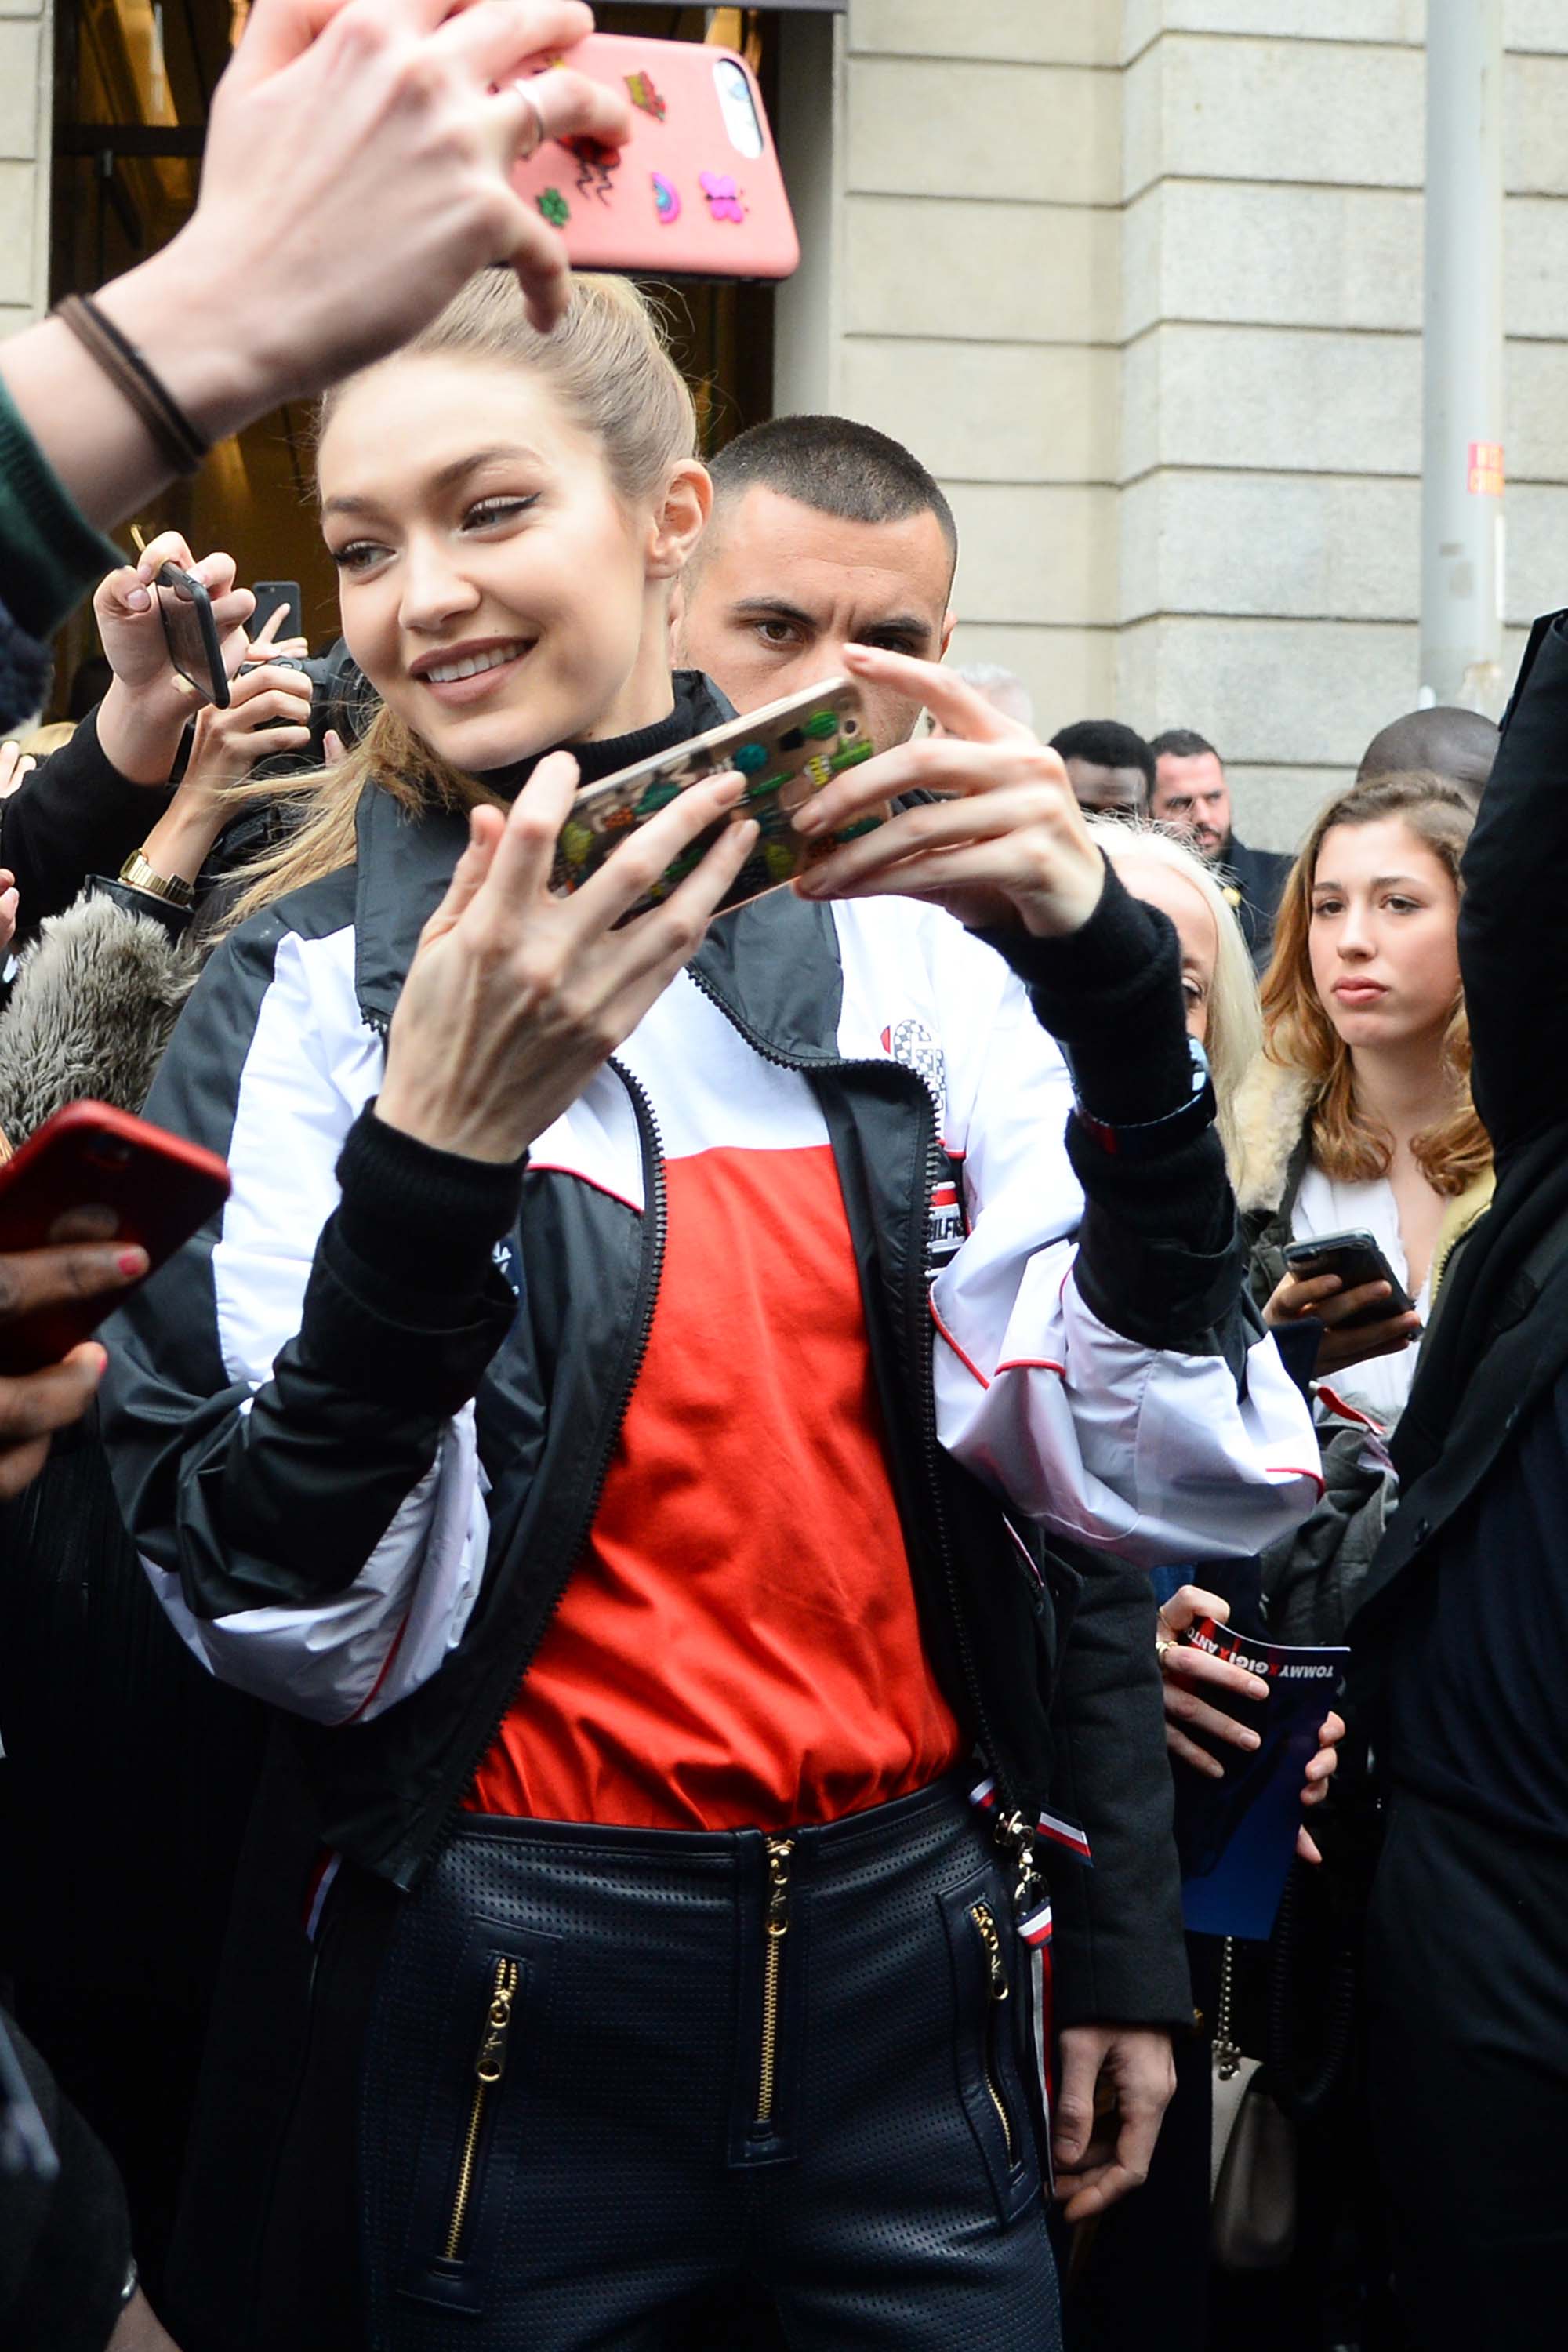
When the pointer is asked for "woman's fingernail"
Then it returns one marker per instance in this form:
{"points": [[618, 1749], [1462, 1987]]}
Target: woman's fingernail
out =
{"points": [[1251, 1739], [137, 600], [131, 1261], [807, 819]]}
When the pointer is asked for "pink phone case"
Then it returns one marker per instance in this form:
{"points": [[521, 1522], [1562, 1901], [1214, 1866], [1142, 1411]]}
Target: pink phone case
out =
{"points": [[696, 192]]}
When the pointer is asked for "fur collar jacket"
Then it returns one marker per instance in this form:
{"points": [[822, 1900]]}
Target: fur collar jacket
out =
{"points": [[1271, 1108], [94, 1002]]}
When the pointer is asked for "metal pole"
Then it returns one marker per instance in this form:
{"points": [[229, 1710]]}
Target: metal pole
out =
{"points": [[1462, 354]]}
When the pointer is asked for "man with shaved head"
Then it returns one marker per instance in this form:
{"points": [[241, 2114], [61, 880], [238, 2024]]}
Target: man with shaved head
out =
{"points": [[1458, 745], [825, 533]]}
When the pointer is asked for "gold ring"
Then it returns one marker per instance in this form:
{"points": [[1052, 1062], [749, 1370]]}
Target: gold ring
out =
{"points": [[1161, 1647]]}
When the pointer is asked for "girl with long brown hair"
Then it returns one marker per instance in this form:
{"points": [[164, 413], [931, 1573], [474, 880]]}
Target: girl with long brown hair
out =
{"points": [[1358, 1115]]}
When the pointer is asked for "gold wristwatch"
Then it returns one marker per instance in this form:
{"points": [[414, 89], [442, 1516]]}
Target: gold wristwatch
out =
{"points": [[137, 875]]}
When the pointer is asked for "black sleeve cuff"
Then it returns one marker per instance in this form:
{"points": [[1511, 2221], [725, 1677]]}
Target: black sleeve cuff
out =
{"points": [[405, 1305], [175, 920], [1112, 993], [427, 1220]]}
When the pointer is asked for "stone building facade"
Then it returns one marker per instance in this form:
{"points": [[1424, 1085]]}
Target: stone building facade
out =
{"points": [[1142, 280]]}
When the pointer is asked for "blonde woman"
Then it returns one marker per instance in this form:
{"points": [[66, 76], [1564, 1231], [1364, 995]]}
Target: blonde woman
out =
{"points": [[1358, 1116], [570, 1424]]}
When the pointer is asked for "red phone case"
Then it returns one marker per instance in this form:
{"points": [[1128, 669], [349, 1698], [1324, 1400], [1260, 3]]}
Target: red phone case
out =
{"points": [[160, 1188], [694, 192]]}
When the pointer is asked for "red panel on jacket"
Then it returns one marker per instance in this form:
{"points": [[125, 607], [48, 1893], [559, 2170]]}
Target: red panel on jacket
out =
{"points": [[739, 1644]]}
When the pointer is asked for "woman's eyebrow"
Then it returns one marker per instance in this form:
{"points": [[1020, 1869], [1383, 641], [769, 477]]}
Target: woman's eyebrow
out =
{"points": [[444, 477]]}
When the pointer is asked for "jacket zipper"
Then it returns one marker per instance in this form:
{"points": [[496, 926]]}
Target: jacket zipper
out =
{"points": [[657, 1211], [918, 1311], [997, 1984], [776, 1928], [490, 2064]]}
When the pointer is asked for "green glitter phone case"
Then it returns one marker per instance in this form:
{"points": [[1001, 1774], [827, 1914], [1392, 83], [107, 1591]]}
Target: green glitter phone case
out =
{"points": [[785, 751]]}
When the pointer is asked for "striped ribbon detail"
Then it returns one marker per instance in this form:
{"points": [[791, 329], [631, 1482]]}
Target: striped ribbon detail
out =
{"points": [[1037, 1928], [1050, 1825]]}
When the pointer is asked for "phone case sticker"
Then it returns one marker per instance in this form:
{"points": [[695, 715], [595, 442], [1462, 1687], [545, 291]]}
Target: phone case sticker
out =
{"points": [[598, 164], [640, 89], [666, 198], [555, 207], [723, 197]]}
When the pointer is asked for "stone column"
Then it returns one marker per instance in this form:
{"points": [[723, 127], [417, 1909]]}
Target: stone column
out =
{"points": [[26, 114]]}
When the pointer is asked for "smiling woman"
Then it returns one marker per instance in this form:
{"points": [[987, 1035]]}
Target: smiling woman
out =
{"points": [[507, 513]]}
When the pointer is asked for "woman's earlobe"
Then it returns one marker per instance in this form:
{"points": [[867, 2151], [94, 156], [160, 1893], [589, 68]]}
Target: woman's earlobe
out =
{"points": [[688, 500]]}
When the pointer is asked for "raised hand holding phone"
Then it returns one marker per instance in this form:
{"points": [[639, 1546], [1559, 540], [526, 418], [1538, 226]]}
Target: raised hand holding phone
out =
{"points": [[148, 707], [1005, 846], [516, 996]]}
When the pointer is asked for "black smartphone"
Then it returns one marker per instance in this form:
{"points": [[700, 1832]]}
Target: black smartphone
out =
{"points": [[1356, 1259], [268, 595], [191, 633]]}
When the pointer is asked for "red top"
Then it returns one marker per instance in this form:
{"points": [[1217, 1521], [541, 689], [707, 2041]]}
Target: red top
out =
{"points": [[739, 1644]]}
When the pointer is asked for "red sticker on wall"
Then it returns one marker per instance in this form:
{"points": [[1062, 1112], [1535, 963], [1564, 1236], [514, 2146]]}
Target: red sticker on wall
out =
{"points": [[1485, 469]]}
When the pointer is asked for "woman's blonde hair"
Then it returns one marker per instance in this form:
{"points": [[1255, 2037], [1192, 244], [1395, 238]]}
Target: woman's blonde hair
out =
{"points": [[1299, 1035], [1235, 1025], [609, 364]]}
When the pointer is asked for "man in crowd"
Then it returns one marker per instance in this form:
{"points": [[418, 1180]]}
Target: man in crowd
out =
{"points": [[826, 533], [1191, 793], [1111, 769], [1458, 745]]}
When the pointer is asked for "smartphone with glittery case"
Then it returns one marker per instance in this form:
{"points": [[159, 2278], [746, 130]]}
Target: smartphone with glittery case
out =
{"points": [[786, 752], [695, 191]]}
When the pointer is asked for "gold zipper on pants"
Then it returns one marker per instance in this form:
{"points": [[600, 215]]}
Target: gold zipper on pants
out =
{"points": [[775, 1924], [490, 2063], [996, 1978]]}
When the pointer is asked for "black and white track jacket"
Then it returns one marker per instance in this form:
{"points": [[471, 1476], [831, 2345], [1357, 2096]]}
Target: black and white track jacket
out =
{"points": [[361, 1459]]}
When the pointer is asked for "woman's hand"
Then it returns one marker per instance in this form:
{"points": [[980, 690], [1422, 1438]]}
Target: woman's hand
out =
{"points": [[1188, 1672], [516, 996], [267, 646], [1324, 1297], [1007, 845], [143, 717], [225, 746]]}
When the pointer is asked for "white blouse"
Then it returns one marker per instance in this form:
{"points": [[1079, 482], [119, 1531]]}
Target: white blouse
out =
{"points": [[1380, 1385]]}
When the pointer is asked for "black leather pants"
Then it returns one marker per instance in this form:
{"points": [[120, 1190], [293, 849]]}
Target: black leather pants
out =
{"points": [[612, 2073]]}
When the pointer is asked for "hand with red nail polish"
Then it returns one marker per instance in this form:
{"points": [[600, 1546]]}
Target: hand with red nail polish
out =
{"points": [[33, 1405]]}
